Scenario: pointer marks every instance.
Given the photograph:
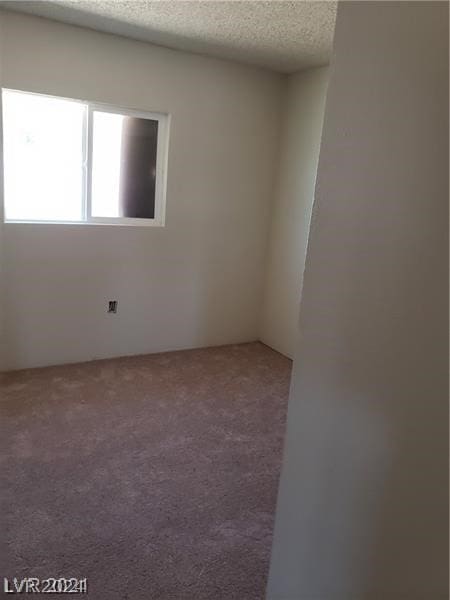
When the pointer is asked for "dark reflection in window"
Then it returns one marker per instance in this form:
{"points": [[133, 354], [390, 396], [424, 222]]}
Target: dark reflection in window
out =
{"points": [[138, 168]]}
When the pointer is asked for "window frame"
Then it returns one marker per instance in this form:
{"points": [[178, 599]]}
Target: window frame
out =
{"points": [[162, 153]]}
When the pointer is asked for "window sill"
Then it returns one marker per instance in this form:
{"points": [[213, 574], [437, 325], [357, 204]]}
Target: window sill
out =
{"points": [[102, 223]]}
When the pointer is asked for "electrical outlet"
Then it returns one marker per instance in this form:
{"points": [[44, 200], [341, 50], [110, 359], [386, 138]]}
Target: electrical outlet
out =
{"points": [[112, 306]]}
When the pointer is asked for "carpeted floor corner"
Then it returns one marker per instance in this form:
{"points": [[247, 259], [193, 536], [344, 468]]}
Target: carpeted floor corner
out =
{"points": [[153, 476]]}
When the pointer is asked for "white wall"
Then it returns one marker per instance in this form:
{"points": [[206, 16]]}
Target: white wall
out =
{"points": [[2, 254], [300, 141], [363, 504], [196, 282]]}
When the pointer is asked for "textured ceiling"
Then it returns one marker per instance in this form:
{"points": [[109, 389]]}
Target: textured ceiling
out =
{"points": [[279, 35]]}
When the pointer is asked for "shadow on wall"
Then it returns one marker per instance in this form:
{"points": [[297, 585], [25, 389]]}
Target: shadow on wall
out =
{"points": [[363, 512], [376, 502], [392, 316]]}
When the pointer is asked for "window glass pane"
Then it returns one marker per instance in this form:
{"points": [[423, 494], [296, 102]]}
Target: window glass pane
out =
{"points": [[43, 157], [123, 166]]}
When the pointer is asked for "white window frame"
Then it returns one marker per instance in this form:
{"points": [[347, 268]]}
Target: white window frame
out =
{"points": [[162, 153]]}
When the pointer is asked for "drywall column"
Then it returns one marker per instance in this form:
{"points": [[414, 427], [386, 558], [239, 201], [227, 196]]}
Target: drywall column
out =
{"points": [[2, 284], [363, 504], [300, 142]]}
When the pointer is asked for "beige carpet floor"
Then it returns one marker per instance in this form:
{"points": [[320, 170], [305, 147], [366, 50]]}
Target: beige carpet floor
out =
{"points": [[153, 476]]}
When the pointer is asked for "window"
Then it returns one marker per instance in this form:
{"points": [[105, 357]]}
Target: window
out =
{"points": [[78, 162]]}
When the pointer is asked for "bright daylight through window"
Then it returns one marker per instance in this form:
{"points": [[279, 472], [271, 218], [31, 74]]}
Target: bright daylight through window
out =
{"points": [[72, 161]]}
